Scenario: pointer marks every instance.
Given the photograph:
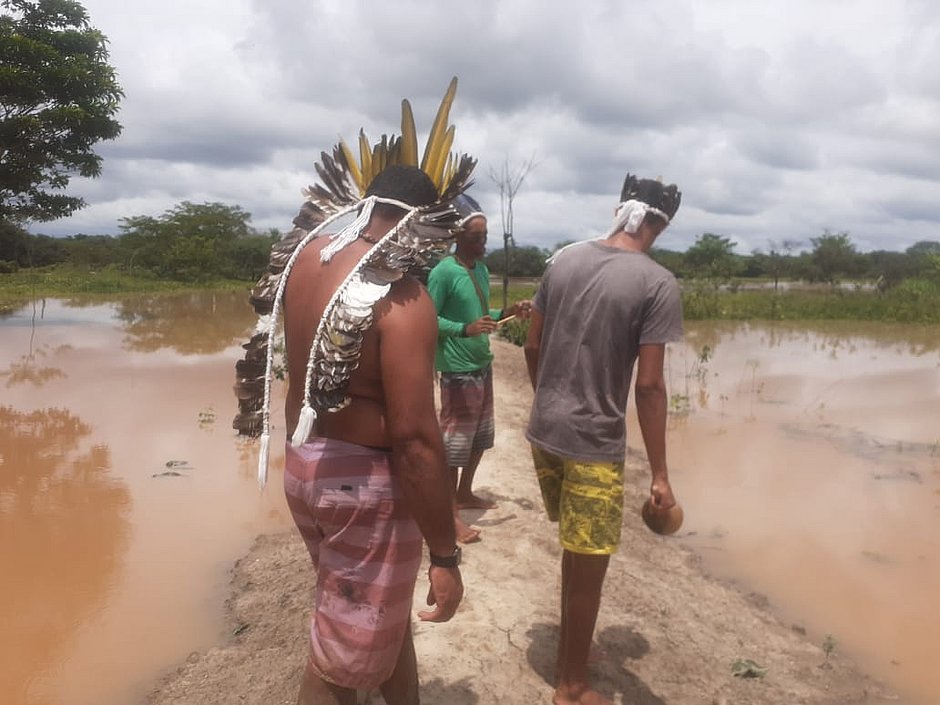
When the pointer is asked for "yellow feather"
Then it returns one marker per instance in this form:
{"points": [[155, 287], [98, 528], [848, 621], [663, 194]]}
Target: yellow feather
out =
{"points": [[379, 156], [448, 174], [351, 163], [439, 128], [441, 155], [409, 137], [365, 154]]}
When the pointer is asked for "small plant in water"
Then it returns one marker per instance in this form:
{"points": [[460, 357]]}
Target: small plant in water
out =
{"points": [[206, 417], [828, 646], [680, 404]]}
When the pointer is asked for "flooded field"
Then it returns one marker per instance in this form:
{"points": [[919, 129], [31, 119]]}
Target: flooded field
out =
{"points": [[807, 458], [124, 497]]}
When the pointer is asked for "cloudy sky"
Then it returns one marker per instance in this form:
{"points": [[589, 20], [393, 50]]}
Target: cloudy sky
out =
{"points": [[778, 119]]}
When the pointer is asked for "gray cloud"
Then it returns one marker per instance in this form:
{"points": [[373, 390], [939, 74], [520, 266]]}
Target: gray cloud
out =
{"points": [[777, 119]]}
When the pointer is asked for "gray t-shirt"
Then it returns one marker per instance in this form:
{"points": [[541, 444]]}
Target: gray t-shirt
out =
{"points": [[600, 304]]}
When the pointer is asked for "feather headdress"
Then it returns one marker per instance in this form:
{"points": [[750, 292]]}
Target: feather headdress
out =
{"points": [[342, 190], [641, 196]]}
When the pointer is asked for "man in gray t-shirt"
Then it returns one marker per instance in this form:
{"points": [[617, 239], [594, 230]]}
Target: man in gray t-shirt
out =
{"points": [[602, 306]]}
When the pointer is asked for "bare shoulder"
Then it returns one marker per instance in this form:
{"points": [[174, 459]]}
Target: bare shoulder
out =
{"points": [[407, 304], [307, 262]]}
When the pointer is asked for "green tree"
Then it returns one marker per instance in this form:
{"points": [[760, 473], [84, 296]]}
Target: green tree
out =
{"points": [[923, 255], [670, 259], [777, 262], [526, 261], [834, 254], [712, 257], [196, 241], [58, 97], [888, 268], [19, 248], [932, 270], [924, 247], [12, 244], [91, 251]]}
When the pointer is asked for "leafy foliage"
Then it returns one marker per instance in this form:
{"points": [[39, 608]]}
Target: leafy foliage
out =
{"points": [[712, 257], [524, 261], [58, 97], [834, 254], [193, 241]]}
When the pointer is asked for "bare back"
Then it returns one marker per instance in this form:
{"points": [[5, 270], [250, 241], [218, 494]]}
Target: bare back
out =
{"points": [[397, 355]]}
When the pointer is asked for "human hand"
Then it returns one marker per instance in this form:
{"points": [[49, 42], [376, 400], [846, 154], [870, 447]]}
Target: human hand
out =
{"points": [[483, 325], [444, 594], [661, 494], [522, 309]]}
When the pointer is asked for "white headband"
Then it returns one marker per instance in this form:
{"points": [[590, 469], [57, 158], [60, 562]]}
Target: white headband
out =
{"points": [[630, 214], [463, 222]]}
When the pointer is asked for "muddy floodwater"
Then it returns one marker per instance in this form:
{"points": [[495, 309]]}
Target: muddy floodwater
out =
{"points": [[807, 457], [124, 496]]}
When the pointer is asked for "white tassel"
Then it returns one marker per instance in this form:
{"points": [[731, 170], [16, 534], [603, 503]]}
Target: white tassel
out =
{"points": [[263, 460], [304, 426], [350, 233]]}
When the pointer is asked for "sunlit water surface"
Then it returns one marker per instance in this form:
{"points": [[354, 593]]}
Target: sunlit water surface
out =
{"points": [[807, 458], [124, 495]]}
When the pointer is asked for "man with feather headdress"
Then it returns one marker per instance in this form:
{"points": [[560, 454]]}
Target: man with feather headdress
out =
{"points": [[365, 473]]}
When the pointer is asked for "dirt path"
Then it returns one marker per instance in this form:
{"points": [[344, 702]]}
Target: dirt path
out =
{"points": [[667, 633]]}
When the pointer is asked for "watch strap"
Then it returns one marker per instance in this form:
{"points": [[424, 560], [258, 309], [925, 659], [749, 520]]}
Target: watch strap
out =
{"points": [[451, 561]]}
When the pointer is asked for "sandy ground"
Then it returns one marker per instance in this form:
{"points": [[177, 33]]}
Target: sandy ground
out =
{"points": [[667, 632]]}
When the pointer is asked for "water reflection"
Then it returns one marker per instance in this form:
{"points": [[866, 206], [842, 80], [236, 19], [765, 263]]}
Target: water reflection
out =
{"points": [[808, 458], [63, 530], [844, 336], [202, 322], [128, 476], [29, 369]]}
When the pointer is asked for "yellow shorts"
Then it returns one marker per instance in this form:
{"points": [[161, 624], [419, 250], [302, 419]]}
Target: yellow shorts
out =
{"points": [[585, 498]]}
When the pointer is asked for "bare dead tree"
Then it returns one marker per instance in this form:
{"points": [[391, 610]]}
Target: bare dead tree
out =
{"points": [[509, 180]]}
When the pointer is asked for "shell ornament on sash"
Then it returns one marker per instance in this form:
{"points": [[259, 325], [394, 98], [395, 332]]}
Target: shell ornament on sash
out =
{"points": [[423, 234]]}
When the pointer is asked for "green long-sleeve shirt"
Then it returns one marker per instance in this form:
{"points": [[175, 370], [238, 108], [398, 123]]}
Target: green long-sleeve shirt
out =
{"points": [[457, 304]]}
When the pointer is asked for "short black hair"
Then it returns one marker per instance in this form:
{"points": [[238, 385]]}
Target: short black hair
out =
{"points": [[407, 184]]}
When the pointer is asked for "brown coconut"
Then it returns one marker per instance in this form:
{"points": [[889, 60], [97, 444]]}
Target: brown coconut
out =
{"points": [[662, 521]]}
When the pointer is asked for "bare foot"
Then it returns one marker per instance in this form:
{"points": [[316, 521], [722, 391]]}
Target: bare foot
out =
{"points": [[579, 695], [466, 534], [474, 502]]}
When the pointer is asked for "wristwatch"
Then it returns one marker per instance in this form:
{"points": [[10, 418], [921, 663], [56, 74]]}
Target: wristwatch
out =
{"points": [[451, 561]]}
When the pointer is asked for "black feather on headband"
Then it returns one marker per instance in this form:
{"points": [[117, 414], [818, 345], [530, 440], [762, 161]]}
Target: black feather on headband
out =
{"points": [[662, 197]]}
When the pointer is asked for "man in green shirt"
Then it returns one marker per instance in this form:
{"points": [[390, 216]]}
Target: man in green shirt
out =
{"points": [[460, 288]]}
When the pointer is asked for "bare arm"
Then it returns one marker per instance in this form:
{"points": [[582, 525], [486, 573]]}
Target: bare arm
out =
{"points": [[533, 344], [651, 410], [408, 336], [407, 340]]}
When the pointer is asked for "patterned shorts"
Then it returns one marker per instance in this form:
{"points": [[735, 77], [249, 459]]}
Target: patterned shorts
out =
{"points": [[466, 414], [585, 498], [366, 549]]}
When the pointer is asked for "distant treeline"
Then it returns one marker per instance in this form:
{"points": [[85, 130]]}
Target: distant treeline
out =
{"points": [[193, 242], [188, 243], [832, 258]]}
